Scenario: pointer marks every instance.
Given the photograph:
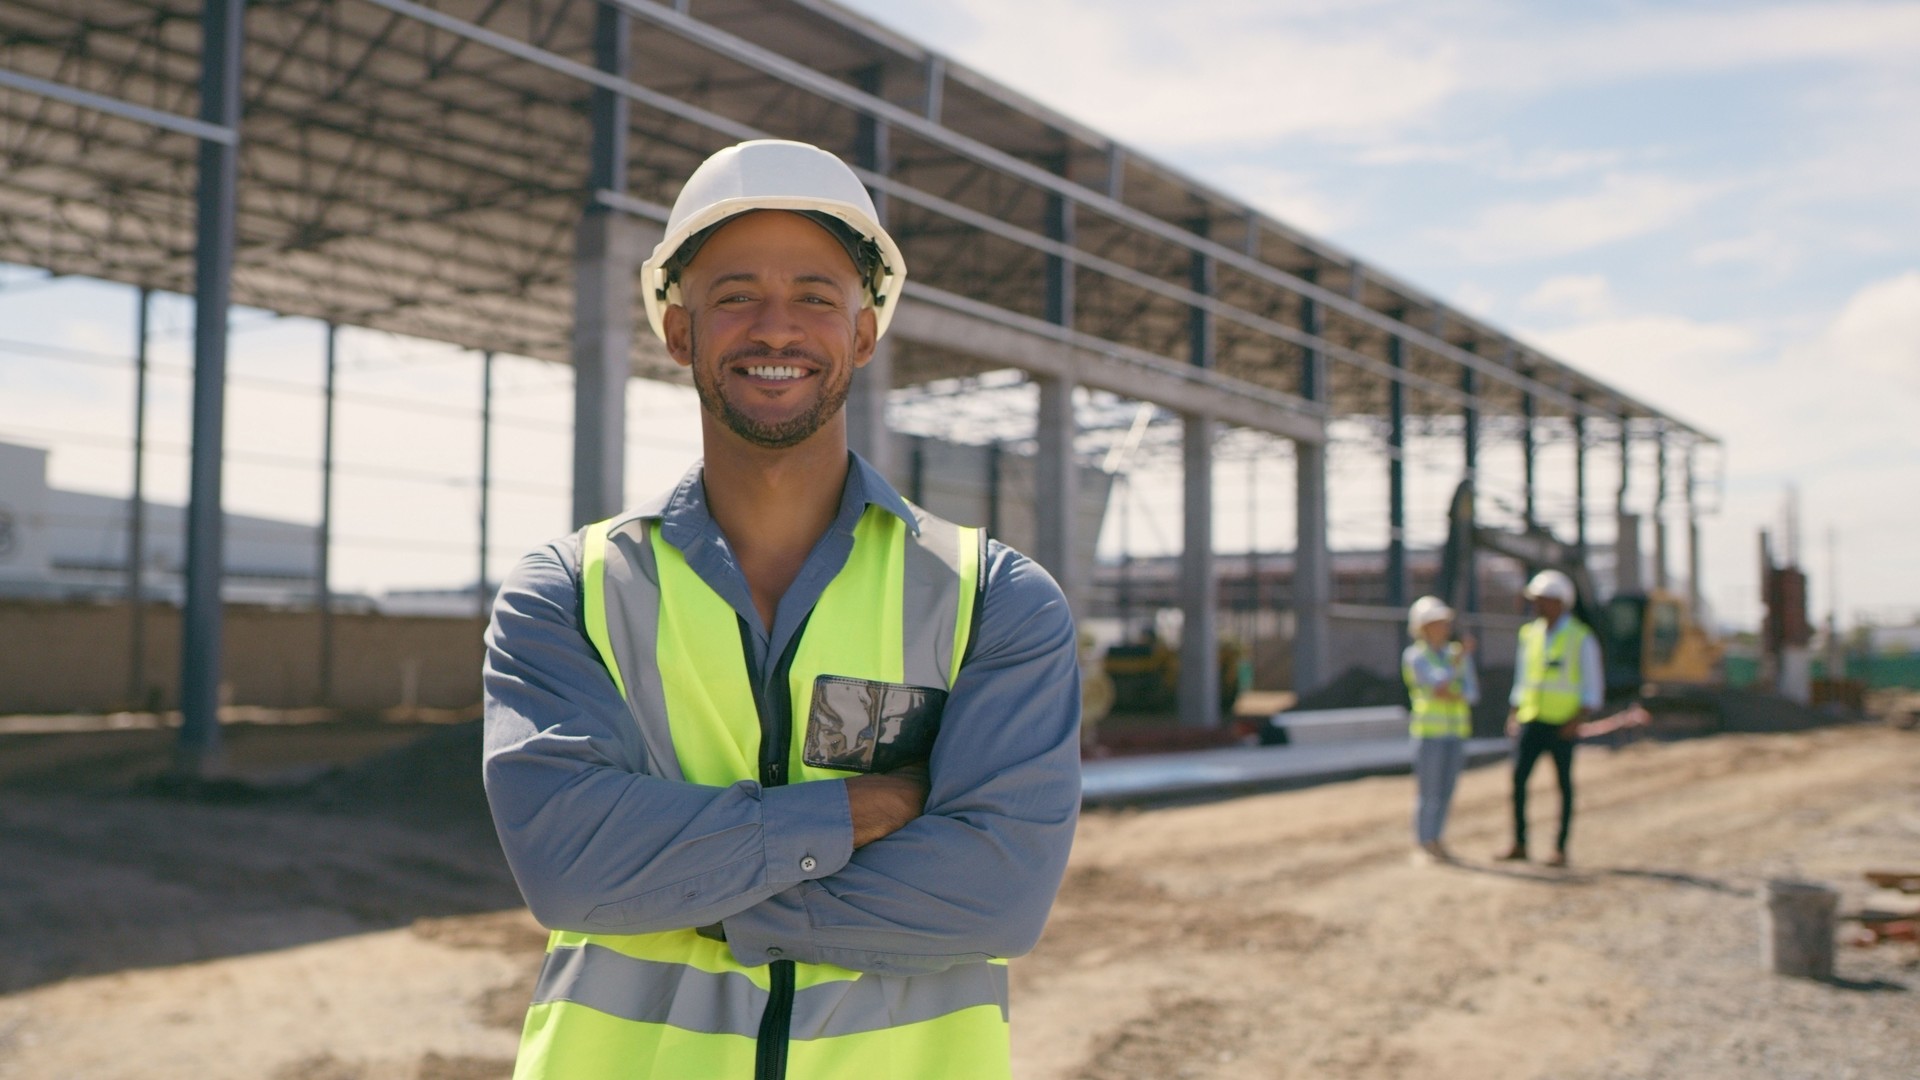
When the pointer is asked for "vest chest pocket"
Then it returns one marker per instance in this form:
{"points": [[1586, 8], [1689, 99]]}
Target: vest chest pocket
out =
{"points": [[864, 726]]}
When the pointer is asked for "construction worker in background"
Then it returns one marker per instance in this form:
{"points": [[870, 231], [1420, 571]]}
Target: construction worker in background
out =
{"points": [[1442, 688], [1557, 684], [787, 764]]}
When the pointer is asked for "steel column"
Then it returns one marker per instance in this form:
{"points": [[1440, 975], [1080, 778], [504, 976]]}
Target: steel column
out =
{"points": [[137, 516], [1470, 451], [1312, 569], [1527, 459], [1397, 581], [197, 750], [483, 596], [866, 408], [993, 488], [1199, 599], [329, 394], [606, 257], [1056, 494], [1693, 543], [1660, 508], [1580, 482]]}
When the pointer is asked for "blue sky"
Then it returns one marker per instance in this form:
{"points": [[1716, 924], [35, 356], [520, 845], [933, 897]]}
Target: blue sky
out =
{"points": [[1713, 205]]}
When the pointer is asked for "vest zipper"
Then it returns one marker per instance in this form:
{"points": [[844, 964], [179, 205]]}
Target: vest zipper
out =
{"points": [[773, 699]]}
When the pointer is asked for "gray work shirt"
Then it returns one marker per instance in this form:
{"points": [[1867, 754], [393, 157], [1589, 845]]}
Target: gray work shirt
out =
{"points": [[597, 845]]}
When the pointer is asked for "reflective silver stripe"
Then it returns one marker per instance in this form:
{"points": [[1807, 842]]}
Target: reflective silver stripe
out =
{"points": [[633, 623], [931, 601], [652, 992], [872, 1002]]}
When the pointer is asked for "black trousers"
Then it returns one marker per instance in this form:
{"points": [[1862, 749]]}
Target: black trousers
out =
{"points": [[1537, 738]]}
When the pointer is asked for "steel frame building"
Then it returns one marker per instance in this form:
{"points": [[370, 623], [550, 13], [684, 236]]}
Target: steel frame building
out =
{"points": [[490, 173]]}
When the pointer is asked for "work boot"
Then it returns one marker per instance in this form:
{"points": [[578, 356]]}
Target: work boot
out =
{"points": [[1516, 853], [1438, 850], [1558, 858]]}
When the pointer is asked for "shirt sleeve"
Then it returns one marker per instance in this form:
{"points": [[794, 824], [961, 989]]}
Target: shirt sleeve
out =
{"points": [[1469, 679], [595, 842], [975, 875], [1593, 673]]}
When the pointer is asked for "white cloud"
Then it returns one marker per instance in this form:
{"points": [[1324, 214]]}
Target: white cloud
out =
{"points": [[1669, 42], [1763, 250], [1624, 206], [1234, 74], [1583, 296], [1475, 299], [1874, 343], [1291, 197]]}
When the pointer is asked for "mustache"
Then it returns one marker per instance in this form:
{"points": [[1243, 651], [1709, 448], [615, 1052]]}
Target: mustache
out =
{"points": [[762, 352]]}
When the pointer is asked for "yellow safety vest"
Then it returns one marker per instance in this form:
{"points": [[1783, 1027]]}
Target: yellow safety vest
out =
{"points": [[1550, 672], [676, 1004], [1434, 717]]}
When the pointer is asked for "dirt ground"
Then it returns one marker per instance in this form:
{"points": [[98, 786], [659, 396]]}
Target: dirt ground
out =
{"points": [[360, 925]]}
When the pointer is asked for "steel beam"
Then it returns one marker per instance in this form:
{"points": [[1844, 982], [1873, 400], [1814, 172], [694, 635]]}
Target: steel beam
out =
{"points": [[972, 328], [197, 750], [833, 90], [202, 129]]}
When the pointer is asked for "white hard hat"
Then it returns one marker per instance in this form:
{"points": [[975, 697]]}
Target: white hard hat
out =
{"points": [[774, 174], [1427, 609], [1552, 585]]}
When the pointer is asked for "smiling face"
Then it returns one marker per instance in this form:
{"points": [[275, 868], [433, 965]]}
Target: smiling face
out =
{"points": [[773, 325], [1437, 632]]}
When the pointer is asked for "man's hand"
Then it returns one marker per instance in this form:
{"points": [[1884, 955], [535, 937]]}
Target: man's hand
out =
{"points": [[883, 802], [1571, 729], [1513, 722]]}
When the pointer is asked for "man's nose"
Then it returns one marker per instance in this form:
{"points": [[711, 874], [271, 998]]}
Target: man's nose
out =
{"points": [[775, 327]]}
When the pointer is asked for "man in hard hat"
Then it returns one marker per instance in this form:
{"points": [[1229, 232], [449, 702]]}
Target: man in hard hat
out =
{"points": [[1442, 688], [787, 764], [1557, 684]]}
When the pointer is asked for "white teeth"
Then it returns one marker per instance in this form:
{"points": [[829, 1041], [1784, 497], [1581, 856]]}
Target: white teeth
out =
{"points": [[784, 371]]}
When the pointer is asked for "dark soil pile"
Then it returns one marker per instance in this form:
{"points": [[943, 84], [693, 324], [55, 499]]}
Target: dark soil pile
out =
{"points": [[432, 782]]}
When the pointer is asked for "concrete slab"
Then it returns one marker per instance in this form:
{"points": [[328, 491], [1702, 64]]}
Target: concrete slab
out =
{"points": [[1236, 770]]}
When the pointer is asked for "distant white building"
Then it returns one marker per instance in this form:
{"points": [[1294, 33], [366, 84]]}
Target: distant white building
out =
{"points": [[73, 545]]}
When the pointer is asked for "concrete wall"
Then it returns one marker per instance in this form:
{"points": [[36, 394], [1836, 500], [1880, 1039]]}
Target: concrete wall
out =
{"points": [[77, 657]]}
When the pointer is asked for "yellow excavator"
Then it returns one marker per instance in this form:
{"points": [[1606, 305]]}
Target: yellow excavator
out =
{"points": [[1652, 643]]}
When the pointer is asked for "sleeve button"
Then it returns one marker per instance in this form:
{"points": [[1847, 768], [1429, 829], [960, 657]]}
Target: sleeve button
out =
{"points": [[807, 864]]}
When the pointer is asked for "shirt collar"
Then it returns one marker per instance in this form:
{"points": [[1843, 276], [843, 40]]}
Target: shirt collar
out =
{"points": [[683, 514]]}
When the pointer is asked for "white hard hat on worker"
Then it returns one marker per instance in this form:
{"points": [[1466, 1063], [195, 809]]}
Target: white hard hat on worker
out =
{"points": [[1550, 585], [1427, 609], [775, 174]]}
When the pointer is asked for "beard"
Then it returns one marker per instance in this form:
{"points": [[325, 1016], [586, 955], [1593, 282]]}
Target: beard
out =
{"points": [[770, 435]]}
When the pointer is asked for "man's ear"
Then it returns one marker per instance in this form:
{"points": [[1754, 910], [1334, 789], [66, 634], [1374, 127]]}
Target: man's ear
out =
{"points": [[679, 334], [866, 334]]}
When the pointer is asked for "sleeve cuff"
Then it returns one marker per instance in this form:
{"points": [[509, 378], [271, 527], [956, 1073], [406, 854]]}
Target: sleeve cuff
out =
{"points": [[807, 830]]}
